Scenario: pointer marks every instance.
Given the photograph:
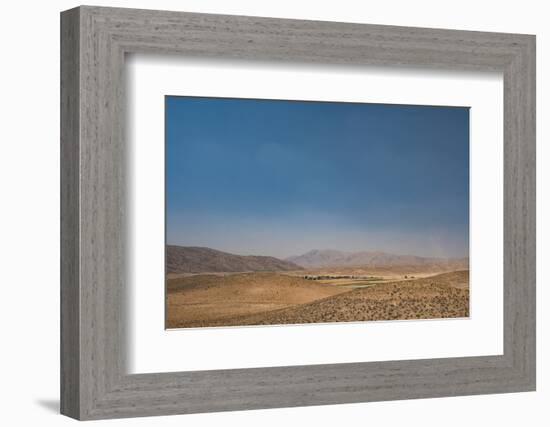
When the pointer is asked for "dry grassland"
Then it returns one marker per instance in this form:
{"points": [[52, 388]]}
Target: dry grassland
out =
{"points": [[277, 298]]}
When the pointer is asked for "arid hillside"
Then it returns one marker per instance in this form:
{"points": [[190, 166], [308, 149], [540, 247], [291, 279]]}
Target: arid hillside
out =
{"points": [[442, 296], [277, 298], [208, 300], [190, 259]]}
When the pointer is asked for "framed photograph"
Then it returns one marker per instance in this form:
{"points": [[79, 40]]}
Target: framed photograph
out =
{"points": [[262, 213], [257, 190]]}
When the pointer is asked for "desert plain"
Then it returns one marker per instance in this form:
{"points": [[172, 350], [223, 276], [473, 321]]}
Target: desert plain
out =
{"points": [[209, 288]]}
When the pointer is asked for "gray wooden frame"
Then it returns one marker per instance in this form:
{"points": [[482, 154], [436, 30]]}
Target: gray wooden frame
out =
{"points": [[94, 382]]}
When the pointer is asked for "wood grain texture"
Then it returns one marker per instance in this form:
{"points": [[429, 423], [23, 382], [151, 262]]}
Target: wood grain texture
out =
{"points": [[94, 382], [70, 314]]}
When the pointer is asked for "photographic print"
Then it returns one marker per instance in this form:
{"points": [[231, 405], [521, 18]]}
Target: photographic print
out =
{"points": [[296, 212]]}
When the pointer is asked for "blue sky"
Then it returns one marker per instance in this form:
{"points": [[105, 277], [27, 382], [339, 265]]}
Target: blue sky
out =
{"points": [[279, 178]]}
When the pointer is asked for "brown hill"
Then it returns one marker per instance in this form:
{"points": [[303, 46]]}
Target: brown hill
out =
{"points": [[208, 299], [189, 259], [442, 296], [276, 299]]}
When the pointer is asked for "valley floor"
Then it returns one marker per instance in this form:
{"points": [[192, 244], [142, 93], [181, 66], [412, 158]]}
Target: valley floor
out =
{"points": [[209, 300]]}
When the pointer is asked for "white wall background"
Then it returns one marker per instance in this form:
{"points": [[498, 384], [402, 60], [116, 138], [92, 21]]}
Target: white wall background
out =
{"points": [[29, 214]]}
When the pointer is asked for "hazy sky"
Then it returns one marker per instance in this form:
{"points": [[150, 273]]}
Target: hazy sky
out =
{"points": [[283, 177]]}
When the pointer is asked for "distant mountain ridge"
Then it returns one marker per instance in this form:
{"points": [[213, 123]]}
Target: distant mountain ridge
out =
{"points": [[193, 259], [332, 258]]}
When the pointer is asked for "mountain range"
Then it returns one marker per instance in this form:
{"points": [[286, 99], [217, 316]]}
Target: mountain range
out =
{"points": [[332, 258], [192, 259]]}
